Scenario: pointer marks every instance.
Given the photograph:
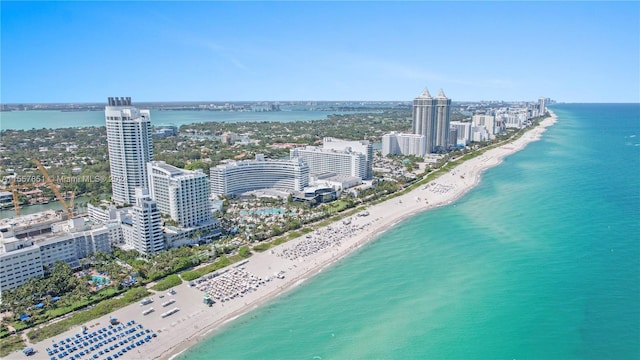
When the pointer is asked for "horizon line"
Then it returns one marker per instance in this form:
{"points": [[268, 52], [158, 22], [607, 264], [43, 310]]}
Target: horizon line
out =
{"points": [[338, 101]]}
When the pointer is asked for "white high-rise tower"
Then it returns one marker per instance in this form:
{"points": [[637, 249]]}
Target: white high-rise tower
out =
{"points": [[424, 121], [443, 122], [147, 229], [542, 106], [130, 148]]}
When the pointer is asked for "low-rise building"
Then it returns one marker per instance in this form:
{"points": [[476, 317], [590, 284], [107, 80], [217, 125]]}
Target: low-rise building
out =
{"points": [[28, 256]]}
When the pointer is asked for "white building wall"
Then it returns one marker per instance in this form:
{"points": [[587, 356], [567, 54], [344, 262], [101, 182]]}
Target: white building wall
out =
{"points": [[147, 227], [463, 132], [488, 121], [114, 227], [390, 144], [358, 146], [412, 144], [130, 148], [18, 266], [243, 176], [62, 248], [479, 133], [334, 161], [182, 194], [100, 215], [22, 259], [403, 144]]}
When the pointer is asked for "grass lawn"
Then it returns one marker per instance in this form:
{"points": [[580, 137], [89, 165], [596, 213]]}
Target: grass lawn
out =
{"points": [[10, 344], [168, 282], [194, 274]]}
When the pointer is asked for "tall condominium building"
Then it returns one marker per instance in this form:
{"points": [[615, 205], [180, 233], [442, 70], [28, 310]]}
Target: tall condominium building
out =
{"points": [[181, 194], [443, 119], [542, 106], [242, 176], [130, 147], [146, 236], [339, 162], [424, 122], [431, 117], [403, 144], [359, 146]]}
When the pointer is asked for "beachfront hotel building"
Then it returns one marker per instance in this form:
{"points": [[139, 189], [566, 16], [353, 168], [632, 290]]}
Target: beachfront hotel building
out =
{"points": [[26, 250], [463, 133], [358, 146], [486, 121], [181, 194], [403, 144], [241, 176], [480, 134], [19, 262], [341, 157], [513, 118], [130, 147], [431, 118], [322, 161]]}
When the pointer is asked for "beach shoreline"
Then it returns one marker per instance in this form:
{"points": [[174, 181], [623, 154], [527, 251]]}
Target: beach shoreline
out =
{"points": [[296, 261]]}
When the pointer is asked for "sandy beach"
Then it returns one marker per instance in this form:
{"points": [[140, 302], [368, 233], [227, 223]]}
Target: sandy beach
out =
{"points": [[245, 286]]}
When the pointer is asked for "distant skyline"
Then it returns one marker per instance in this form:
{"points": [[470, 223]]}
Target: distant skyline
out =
{"points": [[369, 51]]}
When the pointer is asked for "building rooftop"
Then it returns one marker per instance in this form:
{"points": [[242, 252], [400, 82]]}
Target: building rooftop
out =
{"points": [[425, 94], [32, 219], [329, 150], [168, 168], [250, 162], [441, 95]]}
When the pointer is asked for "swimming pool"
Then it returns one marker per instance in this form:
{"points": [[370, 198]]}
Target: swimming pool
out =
{"points": [[265, 212], [99, 280]]}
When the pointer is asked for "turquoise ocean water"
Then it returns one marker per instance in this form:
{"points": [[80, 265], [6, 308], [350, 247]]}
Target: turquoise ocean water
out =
{"points": [[540, 261]]}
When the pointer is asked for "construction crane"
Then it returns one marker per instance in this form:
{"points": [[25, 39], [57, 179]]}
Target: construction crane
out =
{"points": [[14, 191], [53, 187]]}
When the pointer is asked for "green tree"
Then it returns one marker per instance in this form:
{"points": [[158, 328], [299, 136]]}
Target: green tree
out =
{"points": [[244, 251], [61, 280]]}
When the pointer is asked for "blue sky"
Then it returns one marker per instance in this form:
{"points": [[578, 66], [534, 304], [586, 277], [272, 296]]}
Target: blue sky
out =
{"points": [[233, 51]]}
